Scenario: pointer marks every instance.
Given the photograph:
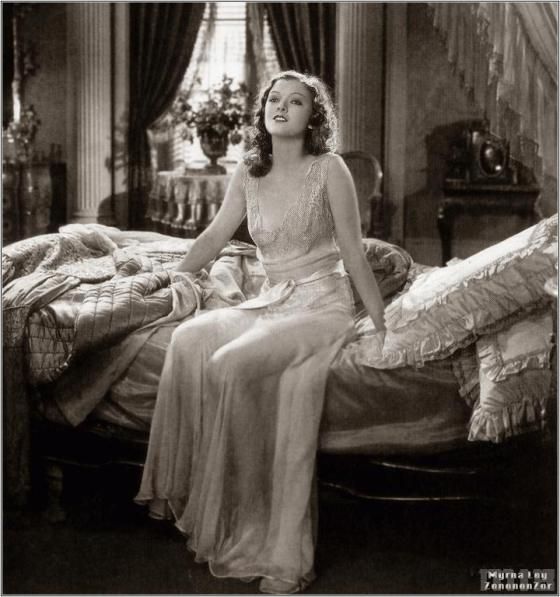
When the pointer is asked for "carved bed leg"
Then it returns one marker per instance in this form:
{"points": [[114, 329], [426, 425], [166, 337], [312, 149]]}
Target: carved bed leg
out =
{"points": [[55, 483]]}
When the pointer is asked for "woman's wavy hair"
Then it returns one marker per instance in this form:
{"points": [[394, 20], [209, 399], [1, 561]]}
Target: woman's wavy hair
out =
{"points": [[321, 138]]}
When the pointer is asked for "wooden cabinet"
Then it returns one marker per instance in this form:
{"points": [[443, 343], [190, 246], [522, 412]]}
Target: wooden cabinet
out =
{"points": [[33, 198], [461, 197], [11, 176]]}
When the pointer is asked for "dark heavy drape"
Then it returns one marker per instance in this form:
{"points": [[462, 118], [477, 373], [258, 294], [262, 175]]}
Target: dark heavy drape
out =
{"points": [[162, 37], [304, 36]]}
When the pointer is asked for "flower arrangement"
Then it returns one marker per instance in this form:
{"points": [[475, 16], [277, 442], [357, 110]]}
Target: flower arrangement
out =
{"points": [[223, 114]]}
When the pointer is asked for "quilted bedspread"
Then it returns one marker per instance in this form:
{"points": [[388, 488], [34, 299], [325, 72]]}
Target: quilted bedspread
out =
{"points": [[111, 291]]}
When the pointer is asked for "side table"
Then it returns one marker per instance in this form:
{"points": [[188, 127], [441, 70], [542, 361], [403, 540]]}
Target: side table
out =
{"points": [[479, 199], [184, 204]]}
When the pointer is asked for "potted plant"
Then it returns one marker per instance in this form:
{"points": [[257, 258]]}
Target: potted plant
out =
{"points": [[217, 120]]}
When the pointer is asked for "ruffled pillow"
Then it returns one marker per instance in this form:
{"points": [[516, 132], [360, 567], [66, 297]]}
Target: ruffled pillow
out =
{"points": [[525, 344], [389, 263], [510, 407], [514, 379], [449, 307], [466, 369]]}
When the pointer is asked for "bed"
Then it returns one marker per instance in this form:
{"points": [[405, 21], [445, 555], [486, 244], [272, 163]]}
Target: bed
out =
{"points": [[460, 393]]}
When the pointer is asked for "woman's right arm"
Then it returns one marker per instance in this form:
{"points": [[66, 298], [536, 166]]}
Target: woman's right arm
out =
{"points": [[212, 240]]}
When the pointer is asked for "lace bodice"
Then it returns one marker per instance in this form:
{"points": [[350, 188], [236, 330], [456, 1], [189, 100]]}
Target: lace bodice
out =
{"points": [[306, 233]]}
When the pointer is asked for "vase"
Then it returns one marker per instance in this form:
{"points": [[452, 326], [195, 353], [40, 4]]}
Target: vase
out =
{"points": [[214, 145]]}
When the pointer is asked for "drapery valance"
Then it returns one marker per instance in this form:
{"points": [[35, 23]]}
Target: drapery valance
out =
{"points": [[506, 56]]}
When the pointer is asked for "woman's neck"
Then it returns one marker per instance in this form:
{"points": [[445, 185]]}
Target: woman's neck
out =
{"points": [[287, 154]]}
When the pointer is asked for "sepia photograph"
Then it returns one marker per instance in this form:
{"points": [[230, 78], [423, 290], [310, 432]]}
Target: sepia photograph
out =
{"points": [[279, 298]]}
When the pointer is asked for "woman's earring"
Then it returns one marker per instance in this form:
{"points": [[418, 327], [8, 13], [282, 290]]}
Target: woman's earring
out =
{"points": [[309, 126]]}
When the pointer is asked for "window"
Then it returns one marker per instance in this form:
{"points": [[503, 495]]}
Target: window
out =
{"points": [[220, 48]]}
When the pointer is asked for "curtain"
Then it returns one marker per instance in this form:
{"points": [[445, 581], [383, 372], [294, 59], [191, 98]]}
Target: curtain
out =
{"points": [[304, 36], [506, 56], [255, 65], [262, 58], [162, 38]]}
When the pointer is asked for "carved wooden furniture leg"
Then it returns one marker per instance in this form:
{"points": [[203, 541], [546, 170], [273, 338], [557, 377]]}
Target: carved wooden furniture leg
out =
{"points": [[55, 484], [445, 230]]}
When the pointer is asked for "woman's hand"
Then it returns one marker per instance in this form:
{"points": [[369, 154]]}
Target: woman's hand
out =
{"points": [[380, 336], [179, 276], [375, 343]]}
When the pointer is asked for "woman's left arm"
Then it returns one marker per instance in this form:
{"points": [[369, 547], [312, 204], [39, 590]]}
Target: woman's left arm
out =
{"points": [[346, 214]]}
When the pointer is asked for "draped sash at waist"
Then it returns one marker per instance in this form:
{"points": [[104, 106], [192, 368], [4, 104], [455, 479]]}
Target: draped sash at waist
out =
{"points": [[275, 294], [302, 267]]}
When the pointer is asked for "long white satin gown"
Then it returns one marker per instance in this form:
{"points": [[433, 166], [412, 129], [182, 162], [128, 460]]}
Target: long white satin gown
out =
{"points": [[235, 430]]}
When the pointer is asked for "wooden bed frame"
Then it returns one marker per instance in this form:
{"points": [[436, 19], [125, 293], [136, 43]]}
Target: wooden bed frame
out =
{"points": [[519, 472]]}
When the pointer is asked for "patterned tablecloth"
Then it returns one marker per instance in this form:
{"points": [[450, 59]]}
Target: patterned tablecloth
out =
{"points": [[186, 202]]}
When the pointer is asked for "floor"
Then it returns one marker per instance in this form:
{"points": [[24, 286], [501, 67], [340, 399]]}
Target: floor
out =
{"points": [[108, 546]]}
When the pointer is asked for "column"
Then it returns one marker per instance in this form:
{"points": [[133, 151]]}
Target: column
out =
{"points": [[90, 51], [359, 76]]}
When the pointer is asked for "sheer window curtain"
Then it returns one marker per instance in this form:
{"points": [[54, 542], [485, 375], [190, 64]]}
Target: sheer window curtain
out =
{"points": [[181, 150], [162, 38], [223, 52], [506, 56]]}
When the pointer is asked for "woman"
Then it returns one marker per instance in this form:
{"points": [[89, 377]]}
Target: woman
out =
{"points": [[234, 434]]}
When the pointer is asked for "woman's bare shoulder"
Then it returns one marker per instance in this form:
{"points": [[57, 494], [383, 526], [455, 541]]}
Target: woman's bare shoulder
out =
{"points": [[239, 174], [337, 169]]}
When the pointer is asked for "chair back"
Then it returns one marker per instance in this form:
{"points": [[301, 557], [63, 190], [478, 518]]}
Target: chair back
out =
{"points": [[368, 177]]}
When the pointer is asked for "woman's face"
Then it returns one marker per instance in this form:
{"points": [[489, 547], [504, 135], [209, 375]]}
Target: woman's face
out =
{"points": [[288, 108]]}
